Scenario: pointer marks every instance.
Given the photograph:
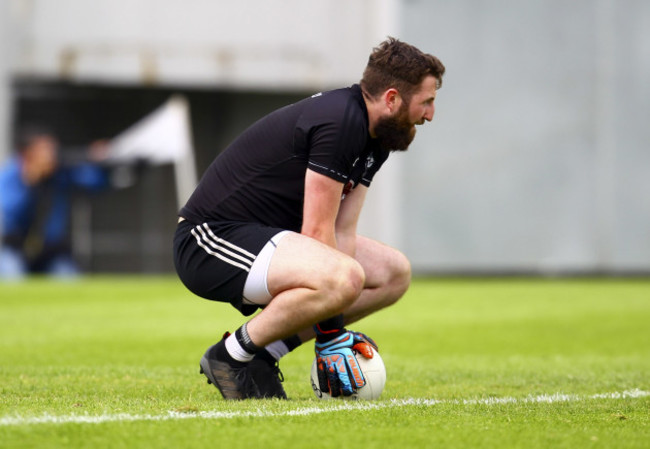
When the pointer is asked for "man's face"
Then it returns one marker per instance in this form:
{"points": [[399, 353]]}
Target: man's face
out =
{"points": [[40, 158], [397, 131]]}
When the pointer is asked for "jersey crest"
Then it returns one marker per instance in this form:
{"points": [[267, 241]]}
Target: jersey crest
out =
{"points": [[370, 161]]}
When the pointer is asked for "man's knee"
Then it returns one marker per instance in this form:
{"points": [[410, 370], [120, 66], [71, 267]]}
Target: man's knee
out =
{"points": [[400, 278], [343, 285]]}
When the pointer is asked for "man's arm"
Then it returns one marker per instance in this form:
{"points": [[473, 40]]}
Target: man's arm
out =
{"points": [[334, 222], [321, 207], [328, 219], [347, 219]]}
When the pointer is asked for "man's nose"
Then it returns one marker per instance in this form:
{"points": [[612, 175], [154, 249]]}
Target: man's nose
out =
{"points": [[428, 113]]}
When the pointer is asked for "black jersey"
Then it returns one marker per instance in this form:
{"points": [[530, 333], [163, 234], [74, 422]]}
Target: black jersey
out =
{"points": [[260, 177]]}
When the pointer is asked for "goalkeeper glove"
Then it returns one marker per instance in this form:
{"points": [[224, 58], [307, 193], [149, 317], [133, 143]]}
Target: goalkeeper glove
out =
{"points": [[338, 370]]}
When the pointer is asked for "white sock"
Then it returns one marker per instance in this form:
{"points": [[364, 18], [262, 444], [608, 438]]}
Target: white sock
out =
{"points": [[277, 349], [236, 351]]}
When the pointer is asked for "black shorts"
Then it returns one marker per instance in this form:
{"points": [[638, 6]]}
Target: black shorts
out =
{"points": [[213, 259]]}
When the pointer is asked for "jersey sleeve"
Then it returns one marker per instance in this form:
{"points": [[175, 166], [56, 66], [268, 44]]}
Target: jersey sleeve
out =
{"points": [[335, 135]]}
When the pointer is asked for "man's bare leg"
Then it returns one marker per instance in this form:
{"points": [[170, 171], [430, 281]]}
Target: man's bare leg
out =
{"points": [[309, 282], [387, 278]]}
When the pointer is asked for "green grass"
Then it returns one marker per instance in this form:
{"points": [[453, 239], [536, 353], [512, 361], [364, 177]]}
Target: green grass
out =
{"points": [[130, 346]]}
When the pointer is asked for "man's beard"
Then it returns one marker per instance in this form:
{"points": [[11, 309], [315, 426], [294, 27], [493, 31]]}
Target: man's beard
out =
{"points": [[395, 133]]}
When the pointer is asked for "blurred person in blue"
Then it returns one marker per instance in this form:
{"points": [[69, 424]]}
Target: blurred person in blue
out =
{"points": [[35, 200]]}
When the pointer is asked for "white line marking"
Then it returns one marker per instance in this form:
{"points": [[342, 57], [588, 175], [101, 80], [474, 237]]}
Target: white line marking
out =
{"points": [[326, 408]]}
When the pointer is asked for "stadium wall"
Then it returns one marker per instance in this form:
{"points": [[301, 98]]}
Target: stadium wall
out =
{"points": [[538, 159], [536, 162]]}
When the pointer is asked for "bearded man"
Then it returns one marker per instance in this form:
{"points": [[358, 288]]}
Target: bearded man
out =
{"points": [[272, 226]]}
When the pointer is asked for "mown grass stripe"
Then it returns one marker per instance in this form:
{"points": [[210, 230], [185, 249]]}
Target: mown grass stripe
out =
{"points": [[327, 408]]}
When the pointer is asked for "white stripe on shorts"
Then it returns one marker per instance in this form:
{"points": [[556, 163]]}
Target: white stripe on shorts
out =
{"points": [[221, 249]]}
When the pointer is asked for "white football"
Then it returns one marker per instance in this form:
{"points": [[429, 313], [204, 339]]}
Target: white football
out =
{"points": [[373, 371]]}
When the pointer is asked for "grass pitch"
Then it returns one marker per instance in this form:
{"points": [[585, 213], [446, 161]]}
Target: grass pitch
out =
{"points": [[113, 362]]}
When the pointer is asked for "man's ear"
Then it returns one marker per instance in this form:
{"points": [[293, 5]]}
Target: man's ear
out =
{"points": [[392, 99]]}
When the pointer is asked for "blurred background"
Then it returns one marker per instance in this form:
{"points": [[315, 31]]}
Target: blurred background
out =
{"points": [[537, 162]]}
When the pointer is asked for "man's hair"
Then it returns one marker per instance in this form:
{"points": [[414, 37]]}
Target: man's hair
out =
{"points": [[396, 64]]}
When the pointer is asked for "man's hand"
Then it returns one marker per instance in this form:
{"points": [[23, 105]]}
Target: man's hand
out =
{"points": [[338, 370]]}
